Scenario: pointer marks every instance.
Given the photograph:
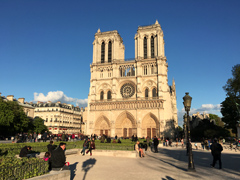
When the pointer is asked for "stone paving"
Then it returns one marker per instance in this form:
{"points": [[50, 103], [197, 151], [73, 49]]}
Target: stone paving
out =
{"points": [[168, 164]]}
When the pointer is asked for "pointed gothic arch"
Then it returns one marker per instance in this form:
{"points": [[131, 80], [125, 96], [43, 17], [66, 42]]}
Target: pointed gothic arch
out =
{"points": [[102, 126], [150, 125], [125, 125]]}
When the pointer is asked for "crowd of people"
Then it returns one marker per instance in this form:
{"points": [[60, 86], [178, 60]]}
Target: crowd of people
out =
{"points": [[57, 159]]}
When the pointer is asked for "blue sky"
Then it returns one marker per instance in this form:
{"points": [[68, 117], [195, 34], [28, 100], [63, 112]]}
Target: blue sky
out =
{"points": [[46, 46]]}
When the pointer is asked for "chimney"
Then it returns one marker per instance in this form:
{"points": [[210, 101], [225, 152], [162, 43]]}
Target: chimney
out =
{"points": [[59, 102], [49, 101], [38, 102], [21, 100], [10, 97]]}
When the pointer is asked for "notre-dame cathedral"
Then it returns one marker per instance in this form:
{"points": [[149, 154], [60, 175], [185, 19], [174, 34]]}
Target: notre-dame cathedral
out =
{"points": [[131, 97]]}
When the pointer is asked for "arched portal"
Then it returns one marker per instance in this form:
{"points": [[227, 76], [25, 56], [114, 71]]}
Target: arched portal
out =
{"points": [[102, 126], [150, 126], [125, 125]]}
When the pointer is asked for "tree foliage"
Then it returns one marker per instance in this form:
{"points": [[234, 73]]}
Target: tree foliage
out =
{"points": [[39, 126], [13, 120], [217, 119], [208, 129], [230, 106]]}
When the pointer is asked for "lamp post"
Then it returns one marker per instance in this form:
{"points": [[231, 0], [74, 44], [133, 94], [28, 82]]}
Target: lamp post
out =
{"points": [[187, 105], [185, 127]]}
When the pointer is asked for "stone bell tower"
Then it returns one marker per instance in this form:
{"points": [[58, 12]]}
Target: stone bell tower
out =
{"points": [[131, 97]]}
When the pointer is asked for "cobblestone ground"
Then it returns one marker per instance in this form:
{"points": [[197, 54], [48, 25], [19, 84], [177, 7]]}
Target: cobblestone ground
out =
{"points": [[168, 164]]}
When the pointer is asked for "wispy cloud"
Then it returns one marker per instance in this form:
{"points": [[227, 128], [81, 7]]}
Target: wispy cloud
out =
{"points": [[205, 108], [55, 96]]}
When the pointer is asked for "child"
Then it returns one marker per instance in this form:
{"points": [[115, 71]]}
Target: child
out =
{"points": [[47, 156]]}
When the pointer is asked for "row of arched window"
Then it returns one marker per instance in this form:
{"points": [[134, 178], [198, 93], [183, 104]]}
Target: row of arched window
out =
{"points": [[109, 95], [145, 47], [154, 92], [109, 52]]}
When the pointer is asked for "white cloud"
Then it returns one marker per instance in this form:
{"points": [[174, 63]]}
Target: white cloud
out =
{"points": [[205, 108], [55, 96]]}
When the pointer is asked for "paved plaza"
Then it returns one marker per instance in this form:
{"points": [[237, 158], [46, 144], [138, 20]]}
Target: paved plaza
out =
{"points": [[168, 164]]}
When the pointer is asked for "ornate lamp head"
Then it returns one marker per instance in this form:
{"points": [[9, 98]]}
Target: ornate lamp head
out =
{"points": [[187, 101]]}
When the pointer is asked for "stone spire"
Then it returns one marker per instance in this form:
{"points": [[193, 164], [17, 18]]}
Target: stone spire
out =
{"points": [[98, 31], [173, 84], [156, 22]]}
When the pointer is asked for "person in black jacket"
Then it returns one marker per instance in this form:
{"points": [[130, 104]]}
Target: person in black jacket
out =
{"points": [[24, 151], [58, 158], [155, 143], [216, 150], [44, 136], [51, 147]]}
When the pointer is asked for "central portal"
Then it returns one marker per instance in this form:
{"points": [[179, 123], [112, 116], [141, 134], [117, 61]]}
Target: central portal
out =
{"points": [[126, 125]]}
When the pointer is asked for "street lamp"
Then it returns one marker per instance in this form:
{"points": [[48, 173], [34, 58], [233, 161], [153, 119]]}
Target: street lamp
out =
{"points": [[187, 105], [185, 127]]}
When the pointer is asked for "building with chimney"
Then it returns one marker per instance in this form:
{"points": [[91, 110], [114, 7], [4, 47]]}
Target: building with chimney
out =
{"points": [[60, 117]]}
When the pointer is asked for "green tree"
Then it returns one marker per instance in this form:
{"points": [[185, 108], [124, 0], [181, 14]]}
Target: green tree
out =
{"points": [[217, 120], [6, 114], [12, 118], [39, 126], [230, 106]]}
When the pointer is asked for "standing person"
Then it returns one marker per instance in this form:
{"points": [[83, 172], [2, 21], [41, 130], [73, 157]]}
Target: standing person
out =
{"points": [[44, 136], [216, 150], [30, 137], [34, 137], [155, 143], [202, 143], [39, 137], [92, 146], [139, 150], [73, 137], [63, 136], [182, 142], [85, 146], [58, 158], [176, 142]]}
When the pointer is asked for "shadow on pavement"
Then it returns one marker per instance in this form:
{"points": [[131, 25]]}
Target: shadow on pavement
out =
{"points": [[87, 165], [168, 178], [73, 168], [230, 162]]}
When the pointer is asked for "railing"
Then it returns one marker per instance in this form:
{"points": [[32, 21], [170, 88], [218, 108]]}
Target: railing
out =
{"points": [[23, 170]]}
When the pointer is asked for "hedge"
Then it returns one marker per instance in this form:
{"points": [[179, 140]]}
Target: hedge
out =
{"points": [[18, 169]]}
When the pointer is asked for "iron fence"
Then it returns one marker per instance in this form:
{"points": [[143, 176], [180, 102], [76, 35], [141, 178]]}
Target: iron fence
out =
{"points": [[23, 170]]}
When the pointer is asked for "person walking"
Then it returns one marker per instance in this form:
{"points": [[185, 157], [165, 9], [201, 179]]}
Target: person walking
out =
{"points": [[155, 143], [92, 146], [216, 150], [85, 146]]}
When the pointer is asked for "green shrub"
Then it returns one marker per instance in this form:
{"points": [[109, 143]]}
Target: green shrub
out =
{"points": [[18, 169]]}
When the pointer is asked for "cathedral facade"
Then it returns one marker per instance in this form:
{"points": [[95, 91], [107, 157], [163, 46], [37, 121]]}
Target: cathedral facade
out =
{"points": [[130, 97]]}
